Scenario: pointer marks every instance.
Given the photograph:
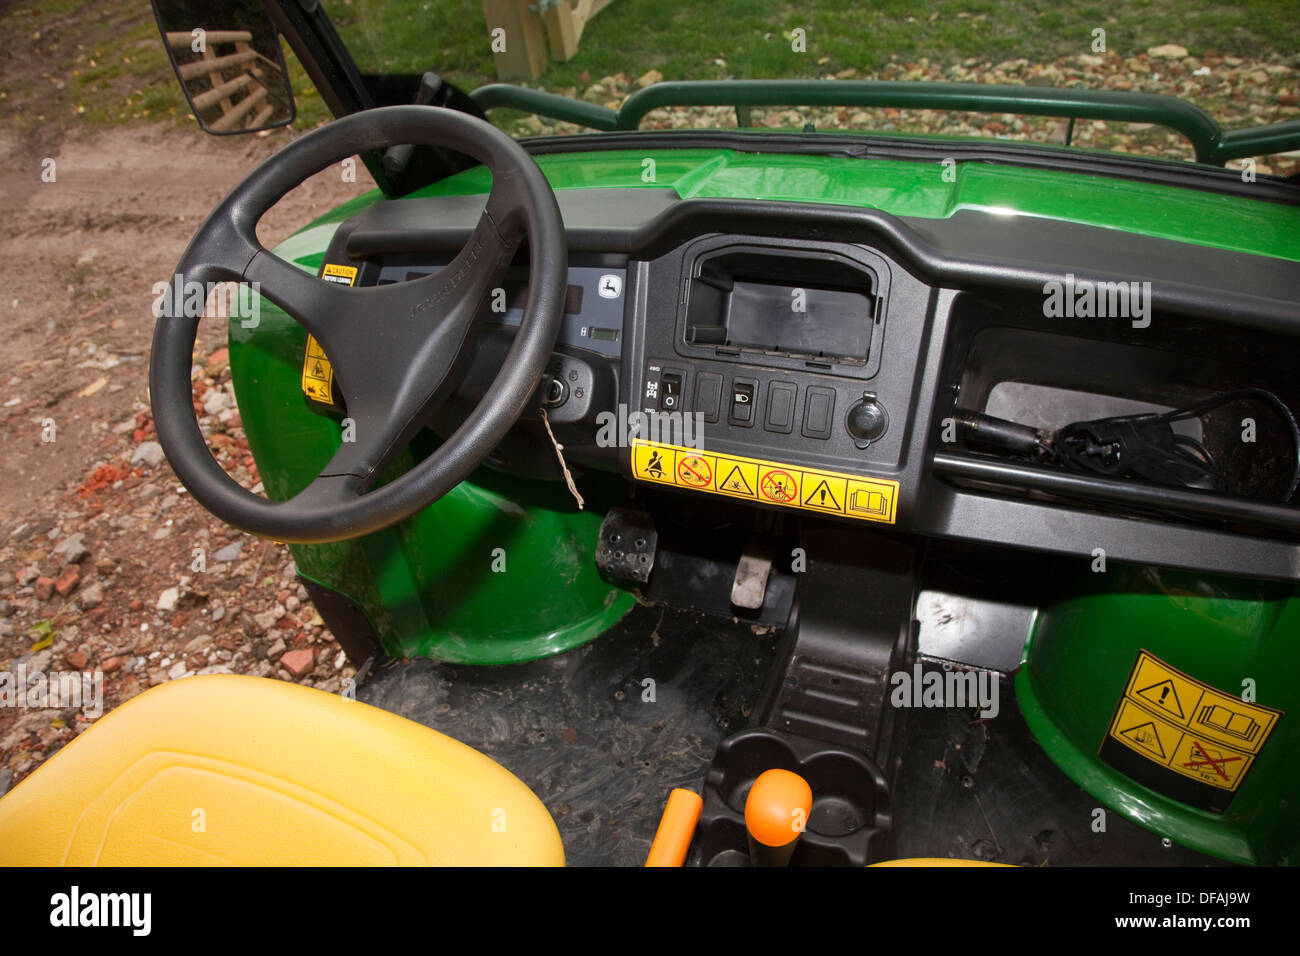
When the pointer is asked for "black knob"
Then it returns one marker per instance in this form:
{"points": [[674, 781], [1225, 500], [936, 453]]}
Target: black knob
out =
{"points": [[867, 421]]}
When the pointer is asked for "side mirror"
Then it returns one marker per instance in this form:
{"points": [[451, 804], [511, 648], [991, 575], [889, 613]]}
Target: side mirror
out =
{"points": [[228, 58]]}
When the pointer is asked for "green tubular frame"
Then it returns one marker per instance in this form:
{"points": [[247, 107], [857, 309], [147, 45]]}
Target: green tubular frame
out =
{"points": [[1213, 144]]}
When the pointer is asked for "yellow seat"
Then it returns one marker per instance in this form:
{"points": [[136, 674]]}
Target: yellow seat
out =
{"points": [[248, 771], [937, 861]]}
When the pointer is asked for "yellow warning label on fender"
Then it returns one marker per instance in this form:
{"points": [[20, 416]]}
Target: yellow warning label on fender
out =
{"points": [[317, 370], [767, 482], [1188, 726]]}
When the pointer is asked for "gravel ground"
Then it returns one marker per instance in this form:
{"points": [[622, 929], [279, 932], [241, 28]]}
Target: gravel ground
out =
{"points": [[108, 565]]}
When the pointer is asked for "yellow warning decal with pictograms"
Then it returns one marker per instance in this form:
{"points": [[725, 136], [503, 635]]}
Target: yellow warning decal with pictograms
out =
{"points": [[767, 482], [317, 370], [1188, 726]]}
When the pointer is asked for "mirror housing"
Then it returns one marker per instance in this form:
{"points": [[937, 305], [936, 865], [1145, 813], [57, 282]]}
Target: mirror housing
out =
{"points": [[228, 59]]}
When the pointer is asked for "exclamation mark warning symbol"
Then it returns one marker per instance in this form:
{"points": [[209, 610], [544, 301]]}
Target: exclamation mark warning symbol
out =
{"points": [[1165, 696]]}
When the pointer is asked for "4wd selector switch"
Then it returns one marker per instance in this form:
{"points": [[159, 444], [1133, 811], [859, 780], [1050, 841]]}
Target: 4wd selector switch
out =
{"points": [[867, 420]]}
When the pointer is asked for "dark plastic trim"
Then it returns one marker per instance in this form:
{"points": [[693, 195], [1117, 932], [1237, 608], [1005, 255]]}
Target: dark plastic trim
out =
{"points": [[1102, 490]]}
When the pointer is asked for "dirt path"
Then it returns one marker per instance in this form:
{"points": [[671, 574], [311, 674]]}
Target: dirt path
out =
{"points": [[95, 530]]}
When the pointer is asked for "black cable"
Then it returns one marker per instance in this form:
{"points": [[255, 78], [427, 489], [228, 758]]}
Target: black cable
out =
{"points": [[1225, 398]]}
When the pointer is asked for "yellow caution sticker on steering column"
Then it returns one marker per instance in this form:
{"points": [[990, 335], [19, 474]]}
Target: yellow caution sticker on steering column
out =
{"points": [[317, 370], [767, 482], [1189, 727]]}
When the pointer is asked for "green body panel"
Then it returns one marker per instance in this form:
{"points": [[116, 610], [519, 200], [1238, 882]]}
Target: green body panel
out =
{"points": [[434, 585], [1218, 630], [427, 585], [919, 190]]}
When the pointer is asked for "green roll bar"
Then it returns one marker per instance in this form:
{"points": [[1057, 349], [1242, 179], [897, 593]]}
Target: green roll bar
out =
{"points": [[1213, 144]]}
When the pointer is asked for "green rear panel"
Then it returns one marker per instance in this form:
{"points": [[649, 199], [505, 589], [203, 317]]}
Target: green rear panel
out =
{"points": [[1231, 634]]}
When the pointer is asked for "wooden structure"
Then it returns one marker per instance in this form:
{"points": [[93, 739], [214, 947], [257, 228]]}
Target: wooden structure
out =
{"points": [[534, 29], [236, 82]]}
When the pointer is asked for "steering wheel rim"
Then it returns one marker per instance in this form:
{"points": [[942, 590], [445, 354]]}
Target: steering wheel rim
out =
{"points": [[390, 344]]}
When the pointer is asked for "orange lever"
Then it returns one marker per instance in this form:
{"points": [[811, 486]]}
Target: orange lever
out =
{"points": [[776, 813], [676, 829]]}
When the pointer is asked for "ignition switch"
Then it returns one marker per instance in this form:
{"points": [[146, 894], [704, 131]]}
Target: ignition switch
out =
{"points": [[555, 391]]}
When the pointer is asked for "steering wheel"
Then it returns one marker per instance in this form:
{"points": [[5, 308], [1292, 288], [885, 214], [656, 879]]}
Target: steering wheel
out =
{"points": [[395, 348]]}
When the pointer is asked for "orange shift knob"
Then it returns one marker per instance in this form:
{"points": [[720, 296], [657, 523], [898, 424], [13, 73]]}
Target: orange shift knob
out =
{"points": [[776, 813]]}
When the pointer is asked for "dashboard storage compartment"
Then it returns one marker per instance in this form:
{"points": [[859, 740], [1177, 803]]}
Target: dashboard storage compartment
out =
{"points": [[773, 301]]}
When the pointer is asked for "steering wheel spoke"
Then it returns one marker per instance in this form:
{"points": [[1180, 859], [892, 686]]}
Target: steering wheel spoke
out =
{"points": [[396, 349]]}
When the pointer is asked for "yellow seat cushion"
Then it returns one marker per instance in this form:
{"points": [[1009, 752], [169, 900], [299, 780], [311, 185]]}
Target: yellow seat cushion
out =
{"points": [[250, 771]]}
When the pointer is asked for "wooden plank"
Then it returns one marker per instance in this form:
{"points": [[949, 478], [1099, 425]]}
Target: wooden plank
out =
{"points": [[565, 22], [189, 71], [264, 114], [240, 110], [214, 79], [181, 40], [219, 93], [525, 54], [563, 29]]}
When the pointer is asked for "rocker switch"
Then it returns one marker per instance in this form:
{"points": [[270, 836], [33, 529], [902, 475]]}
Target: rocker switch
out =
{"points": [[670, 391], [742, 402]]}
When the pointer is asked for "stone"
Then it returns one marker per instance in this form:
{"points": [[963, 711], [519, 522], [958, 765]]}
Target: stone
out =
{"points": [[229, 553], [298, 662], [72, 550], [266, 620], [148, 453], [167, 600], [77, 660], [215, 401], [649, 78], [277, 649], [1172, 50], [111, 664], [44, 588], [91, 596], [202, 641], [68, 581], [177, 670]]}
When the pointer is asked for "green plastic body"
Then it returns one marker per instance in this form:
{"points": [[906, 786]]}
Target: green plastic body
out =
{"points": [[429, 588], [1235, 635]]}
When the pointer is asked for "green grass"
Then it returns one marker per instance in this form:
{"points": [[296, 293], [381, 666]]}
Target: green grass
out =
{"points": [[112, 68], [684, 40]]}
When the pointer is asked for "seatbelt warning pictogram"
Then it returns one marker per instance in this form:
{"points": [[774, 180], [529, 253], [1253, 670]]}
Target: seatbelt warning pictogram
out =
{"points": [[317, 370], [767, 482], [1187, 726]]}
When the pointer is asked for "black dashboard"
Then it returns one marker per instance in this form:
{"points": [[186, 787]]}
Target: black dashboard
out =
{"points": [[811, 358]]}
